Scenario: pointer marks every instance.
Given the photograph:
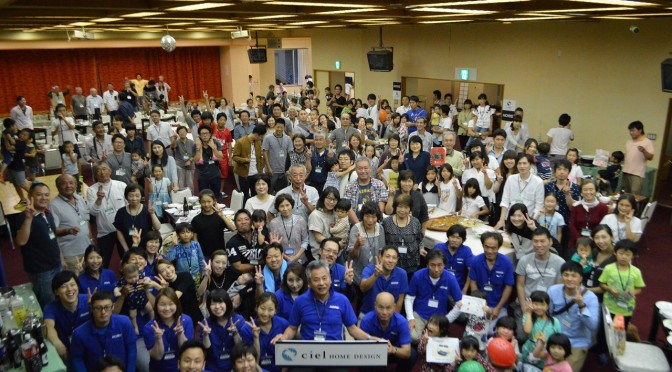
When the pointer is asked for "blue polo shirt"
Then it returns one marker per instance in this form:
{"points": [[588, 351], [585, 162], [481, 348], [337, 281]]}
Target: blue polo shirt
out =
{"points": [[219, 355], [413, 116], [90, 344], [424, 291], [499, 276], [337, 273], [308, 313], [170, 348], [285, 304], [66, 322], [396, 284], [105, 283], [266, 349], [417, 165], [459, 263], [397, 331]]}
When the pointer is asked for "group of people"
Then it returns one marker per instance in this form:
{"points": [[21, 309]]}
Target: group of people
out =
{"points": [[331, 237]]}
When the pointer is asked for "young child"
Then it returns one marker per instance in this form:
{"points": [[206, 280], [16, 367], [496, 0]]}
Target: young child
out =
{"points": [[473, 205], [621, 281], [370, 153], [8, 142], [159, 189], [584, 256], [70, 164], [609, 176], [469, 350], [449, 189], [437, 326], [558, 348], [428, 187], [506, 328], [183, 152], [549, 218], [137, 299], [187, 254], [576, 173], [32, 161], [332, 179], [477, 326], [259, 223], [538, 324], [403, 131], [391, 176], [137, 167], [544, 168], [341, 227], [371, 134]]}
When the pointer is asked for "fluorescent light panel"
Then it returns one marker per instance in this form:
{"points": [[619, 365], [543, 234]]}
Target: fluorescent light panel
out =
{"points": [[367, 20], [180, 24], [81, 24], [201, 6], [219, 21], [517, 19], [141, 14], [306, 23], [450, 15], [326, 5], [615, 17], [646, 15], [274, 16], [103, 20], [446, 21], [615, 2], [474, 2], [583, 10], [363, 10], [452, 10]]}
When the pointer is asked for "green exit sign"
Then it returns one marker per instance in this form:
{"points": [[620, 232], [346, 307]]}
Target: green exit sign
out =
{"points": [[464, 74], [337, 64]]}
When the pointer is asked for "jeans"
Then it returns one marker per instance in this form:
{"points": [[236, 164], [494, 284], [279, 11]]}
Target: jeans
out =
{"points": [[278, 182], [247, 187], [106, 244], [42, 285], [213, 184]]}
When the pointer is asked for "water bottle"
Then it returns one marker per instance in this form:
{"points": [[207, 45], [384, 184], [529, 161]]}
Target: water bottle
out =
{"points": [[34, 306], [18, 309], [31, 354], [619, 329], [8, 322]]}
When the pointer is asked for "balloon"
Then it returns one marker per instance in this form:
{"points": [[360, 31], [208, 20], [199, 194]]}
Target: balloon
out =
{"points": [[383, 115], [501, 353], [471, 366], [168, 43]]}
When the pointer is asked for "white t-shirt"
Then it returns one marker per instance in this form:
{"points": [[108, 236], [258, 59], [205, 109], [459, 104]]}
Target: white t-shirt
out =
{"points": [[618, 228], [448, 196], [576, 173], [254, 203], [480, 177], [483, 113], [253, 161], [560, 139], [471, 205], [66, 134]]}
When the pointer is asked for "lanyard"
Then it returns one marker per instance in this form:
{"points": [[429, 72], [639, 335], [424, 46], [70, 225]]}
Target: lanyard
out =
{"points": [[320, 316], [627, 282], [435, 286], [371, 241], [291, 229], [188, 255], [75, 207], [541, 273], [588, 218], [119, 162], [102, 338], [183, 147], [44, 215], [489, 269], [158, 185], [527, 183], [334, 274]]}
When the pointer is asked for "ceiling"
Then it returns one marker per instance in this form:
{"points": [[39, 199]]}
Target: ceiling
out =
{"points": [[215, 15]]}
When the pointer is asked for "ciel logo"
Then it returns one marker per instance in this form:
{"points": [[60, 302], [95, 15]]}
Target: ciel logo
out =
{"points": [[289, 354]]}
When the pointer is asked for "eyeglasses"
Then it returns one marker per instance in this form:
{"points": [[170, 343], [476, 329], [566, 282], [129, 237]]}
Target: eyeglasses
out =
{"points": [[99, 309], [331, 198], [332, 251]]}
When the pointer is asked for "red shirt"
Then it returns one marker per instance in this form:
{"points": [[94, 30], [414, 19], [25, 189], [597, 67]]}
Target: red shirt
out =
{"points": [[580, 219]]}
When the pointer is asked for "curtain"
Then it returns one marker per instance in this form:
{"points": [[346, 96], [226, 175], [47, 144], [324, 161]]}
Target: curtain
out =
{"points": [[31, 73]]}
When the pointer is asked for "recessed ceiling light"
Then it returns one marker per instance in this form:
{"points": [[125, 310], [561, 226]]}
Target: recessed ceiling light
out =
{"points": [[452, 10], [326, 5], [362, 10], [151, 26], [274, 16], [306, 23], [445, 21], [474, 2], [516, 19], [180, 24], [102, 20], [615, 17], [613, 9], [201, 6], [141, 14], [330, 26], [219, 21], [616, 2], [81, 24], [646, 15], [367, 20]]}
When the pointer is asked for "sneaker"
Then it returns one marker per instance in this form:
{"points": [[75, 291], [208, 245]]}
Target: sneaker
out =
{"points": [[21, 206]]}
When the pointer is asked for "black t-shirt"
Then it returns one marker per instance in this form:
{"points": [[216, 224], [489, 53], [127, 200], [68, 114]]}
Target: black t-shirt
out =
{"points": [[337, 110], [40, 253], [210, 232], [126, 95], [185, 284], [17, 158], [124, 222], [240, 250], [209, 168]]}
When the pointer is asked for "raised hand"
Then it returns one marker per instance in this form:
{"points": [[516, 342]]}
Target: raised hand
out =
{"points": [[205, 327], [530, 222], [378, 269], [232, 328], [162, 281], [258, 275], [275, 237], [150, 207], [136, 237], [205, 94], [80, 264], [90, 294], [361, 241], [628, 217], [179, 328], [181, 98], [30, 207], [349, 272], [255, 329], [208, 267], [158, 332]]}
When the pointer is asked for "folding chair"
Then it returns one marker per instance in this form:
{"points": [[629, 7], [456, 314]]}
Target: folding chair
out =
{"points": [[638, 357], [4, 222], [647, 214], [236, 200]]}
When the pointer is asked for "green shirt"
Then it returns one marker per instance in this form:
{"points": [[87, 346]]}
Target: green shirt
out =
{"points": [[623, 281]]}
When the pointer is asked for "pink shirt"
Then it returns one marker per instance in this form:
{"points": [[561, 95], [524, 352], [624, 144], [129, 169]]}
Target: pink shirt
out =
{"points": [[558, 367], [635, 162]]}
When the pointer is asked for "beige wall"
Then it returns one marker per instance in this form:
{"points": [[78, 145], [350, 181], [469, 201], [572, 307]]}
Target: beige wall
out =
{"points": [[598, 72]]}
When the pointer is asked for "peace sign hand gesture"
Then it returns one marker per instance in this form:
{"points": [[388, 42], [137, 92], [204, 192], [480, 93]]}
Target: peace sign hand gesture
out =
{"points": [[232, 328], [80, 264], [255, 329], [30, 208], [205, 327], [349, 273], [258, 276], [90, 294], [530, 222], [136, 237], [208, 267], [158, 331], [150, 207], [162, 281], [378, 269], [179, 328]]}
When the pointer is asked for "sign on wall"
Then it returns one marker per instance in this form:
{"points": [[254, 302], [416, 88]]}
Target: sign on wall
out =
{"points": [[302, 353], [508, 109], [396, 93]]}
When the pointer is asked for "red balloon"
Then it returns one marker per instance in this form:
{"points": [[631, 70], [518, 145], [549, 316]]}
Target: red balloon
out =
{"points": [[501, 353], [383, 115]]}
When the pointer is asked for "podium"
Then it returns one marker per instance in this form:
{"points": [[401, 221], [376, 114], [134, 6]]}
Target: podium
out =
{"points": [[302, 353]]}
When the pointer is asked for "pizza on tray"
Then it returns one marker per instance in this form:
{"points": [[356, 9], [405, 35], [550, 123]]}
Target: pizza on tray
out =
{"points": [[444, 223]]}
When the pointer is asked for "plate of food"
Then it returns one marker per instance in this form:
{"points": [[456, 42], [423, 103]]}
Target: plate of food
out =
{"points": [[443, 223]]}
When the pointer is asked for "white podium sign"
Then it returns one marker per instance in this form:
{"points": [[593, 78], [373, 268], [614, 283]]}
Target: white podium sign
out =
{"points": [[301, 353]]}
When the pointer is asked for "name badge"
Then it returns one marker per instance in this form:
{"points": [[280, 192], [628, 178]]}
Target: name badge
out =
{"points": [[433, 303], [318, 169], [169, 355], [224, 356], [403, 249], [487, 288], [254, 262], [622, 305], [109, 210], [131, 231], [211, 162], [81, 106], [585, 232], [319, 335], [266, 361], [120, 172], [185, 157], [282, 154], [52, 236], [290, 251], [83, 222]]}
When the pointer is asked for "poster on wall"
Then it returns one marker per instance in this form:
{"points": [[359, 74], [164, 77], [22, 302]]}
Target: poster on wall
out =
{"points": [[396, 93], [508, 109]]}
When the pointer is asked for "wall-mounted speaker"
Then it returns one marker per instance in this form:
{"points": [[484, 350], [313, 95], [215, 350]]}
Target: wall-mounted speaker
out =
{"points": [[257, 55], [380, 60], [666, 76]]}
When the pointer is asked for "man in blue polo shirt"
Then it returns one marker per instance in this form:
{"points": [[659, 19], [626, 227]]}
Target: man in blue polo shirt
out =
{"points": [[414, 113], [105, 334], [341, 276], [384, 276], [386, 323], [321, 312], [458, 255], [428, 293], [67, 312], [492, 273]]}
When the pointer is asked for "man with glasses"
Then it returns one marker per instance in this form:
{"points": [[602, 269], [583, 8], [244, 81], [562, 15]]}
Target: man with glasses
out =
{"points": [[341, 276], [106, 334], [339, 137]]}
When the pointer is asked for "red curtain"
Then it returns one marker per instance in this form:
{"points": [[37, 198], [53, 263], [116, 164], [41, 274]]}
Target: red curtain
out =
{"points": [[31, 73]]}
